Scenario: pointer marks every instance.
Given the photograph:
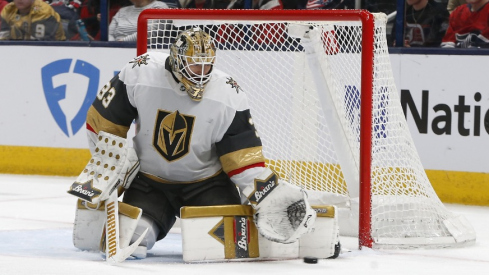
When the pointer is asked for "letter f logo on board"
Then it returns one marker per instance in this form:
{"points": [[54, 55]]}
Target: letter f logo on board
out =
{"points": [[57, 76]]}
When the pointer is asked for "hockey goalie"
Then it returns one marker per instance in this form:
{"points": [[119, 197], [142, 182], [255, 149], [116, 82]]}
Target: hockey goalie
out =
{"points": [[196, 154]]}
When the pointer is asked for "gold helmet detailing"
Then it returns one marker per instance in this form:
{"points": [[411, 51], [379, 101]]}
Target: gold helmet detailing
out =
{"points": [[192, 57]]}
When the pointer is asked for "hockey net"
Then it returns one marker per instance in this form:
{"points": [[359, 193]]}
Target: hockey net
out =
{"points": [[328, 113]]}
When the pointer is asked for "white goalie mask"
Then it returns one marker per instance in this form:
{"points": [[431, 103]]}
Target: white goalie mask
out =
{"points": [[192, 58]]}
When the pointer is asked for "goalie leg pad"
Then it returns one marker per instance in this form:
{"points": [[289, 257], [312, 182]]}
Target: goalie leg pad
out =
{"points": [[223, 232], [88, 229], [323, 241], [89, 226], [226, 232], [129, 217], [148, 240]]}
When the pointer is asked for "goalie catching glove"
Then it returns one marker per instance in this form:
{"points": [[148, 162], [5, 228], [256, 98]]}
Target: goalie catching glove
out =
{"points": [[113, 165], [283, 213]]}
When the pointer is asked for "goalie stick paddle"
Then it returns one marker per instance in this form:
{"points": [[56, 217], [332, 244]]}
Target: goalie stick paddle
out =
{"points": [[114, 254]]}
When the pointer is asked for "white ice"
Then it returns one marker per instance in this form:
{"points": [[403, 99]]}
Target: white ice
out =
{"points": [[36, 221]]}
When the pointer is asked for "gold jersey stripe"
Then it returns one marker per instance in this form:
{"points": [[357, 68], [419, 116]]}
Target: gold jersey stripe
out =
{"points": [[242, 158], [99, 123], [160, 180]]}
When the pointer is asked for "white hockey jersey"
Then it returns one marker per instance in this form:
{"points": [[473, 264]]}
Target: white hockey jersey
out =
{"points": [[178, 140]]}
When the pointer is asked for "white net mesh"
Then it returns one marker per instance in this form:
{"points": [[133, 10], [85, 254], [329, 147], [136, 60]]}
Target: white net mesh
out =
{"points": [[309, 120]]}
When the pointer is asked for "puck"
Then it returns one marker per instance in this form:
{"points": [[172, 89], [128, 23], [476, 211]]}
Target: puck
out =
{"points": [[310, 260]]}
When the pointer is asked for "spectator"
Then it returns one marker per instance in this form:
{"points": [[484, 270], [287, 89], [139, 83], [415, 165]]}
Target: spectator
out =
{"points": [[123, 26], [452, 4], [425, 23], [329, 4], [469, 26], [233, 4], [30, 20], [205, 4], [90, 15], [172, 4], [294, 4], [3, 3], [68, 13], [385, 6]]}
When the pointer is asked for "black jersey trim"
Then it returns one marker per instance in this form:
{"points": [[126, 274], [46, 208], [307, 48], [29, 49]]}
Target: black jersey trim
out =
{"points": [[240, 135], [112, 103], [98, 123], [157, 179]]}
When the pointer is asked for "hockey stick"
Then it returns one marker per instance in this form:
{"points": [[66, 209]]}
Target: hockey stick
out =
{"points": [[114, 254]]}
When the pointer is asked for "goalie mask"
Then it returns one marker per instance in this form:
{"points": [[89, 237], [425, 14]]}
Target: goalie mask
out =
{"points": [[192, 57]]}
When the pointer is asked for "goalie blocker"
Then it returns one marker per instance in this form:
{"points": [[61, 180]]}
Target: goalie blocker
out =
{"points": [[113, 165], [112, 168], [215, 233]]}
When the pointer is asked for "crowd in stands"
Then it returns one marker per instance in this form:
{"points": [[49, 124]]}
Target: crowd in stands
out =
{"points": [[425, 23], [428, 23], [123, 26], [468, 26], [447, 24]]}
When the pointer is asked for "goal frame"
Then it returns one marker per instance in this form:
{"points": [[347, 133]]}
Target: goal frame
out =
{"points": [[367, 70]]}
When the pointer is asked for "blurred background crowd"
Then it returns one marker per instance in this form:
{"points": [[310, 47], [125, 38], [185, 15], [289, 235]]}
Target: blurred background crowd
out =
{"points": [[423, 23]]}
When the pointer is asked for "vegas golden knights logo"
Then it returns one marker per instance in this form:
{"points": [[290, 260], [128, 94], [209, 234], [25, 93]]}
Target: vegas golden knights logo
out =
{"points": [[172, 134]]}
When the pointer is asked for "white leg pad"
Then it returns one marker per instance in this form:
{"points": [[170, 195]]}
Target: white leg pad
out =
{"points": [[273, 250], [129, 217], [321, 242], [88, 229], [148, 240], [89, 226], [217, 233]]}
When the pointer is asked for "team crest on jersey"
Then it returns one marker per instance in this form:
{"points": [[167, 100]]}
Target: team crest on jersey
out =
{"points": [[172, 134], [234, 84], [140, 60]]}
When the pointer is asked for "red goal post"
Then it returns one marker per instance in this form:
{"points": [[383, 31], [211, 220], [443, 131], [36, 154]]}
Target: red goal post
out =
{"points": [[369, 46]]}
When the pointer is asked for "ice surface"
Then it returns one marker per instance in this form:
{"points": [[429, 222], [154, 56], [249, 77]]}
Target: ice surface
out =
{"points": [[36, 221]]}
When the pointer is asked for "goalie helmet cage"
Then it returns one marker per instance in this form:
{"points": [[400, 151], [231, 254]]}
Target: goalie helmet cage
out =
{"points": [[323, 98]]}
